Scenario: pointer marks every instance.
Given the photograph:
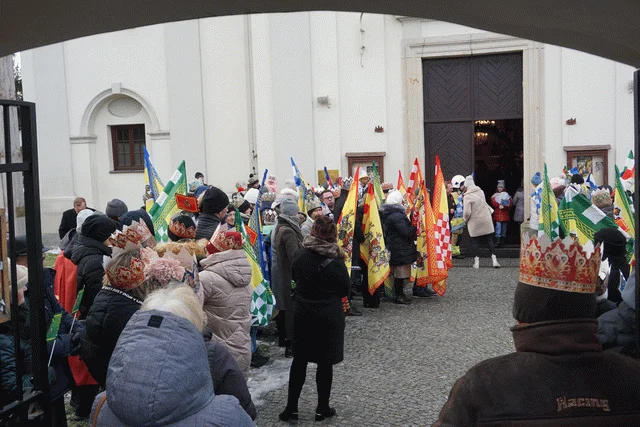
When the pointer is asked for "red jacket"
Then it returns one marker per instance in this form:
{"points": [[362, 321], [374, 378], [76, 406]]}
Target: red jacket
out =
{"points": [[500, 215]]}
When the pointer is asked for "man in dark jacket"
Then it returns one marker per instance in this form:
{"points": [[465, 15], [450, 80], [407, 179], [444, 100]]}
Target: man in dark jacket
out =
{"points": [[559, 375], [69, 216], [615, 251], [88, 253], [213, 209]]}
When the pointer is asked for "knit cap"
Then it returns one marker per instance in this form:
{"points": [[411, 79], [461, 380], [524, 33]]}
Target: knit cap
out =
{"points": [[251, 195], [81, 217], [536, 179], [289, 207], [469, 181], [214, 201], [116, 208], [601, 198], [394, 197], [501, 183], [99, 227]]}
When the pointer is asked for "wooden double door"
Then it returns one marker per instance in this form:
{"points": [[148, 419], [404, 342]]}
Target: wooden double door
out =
{"points": [[461, 92]]}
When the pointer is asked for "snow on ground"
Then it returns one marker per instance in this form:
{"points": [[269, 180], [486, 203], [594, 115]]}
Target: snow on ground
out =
{"points": [[272, 376]]}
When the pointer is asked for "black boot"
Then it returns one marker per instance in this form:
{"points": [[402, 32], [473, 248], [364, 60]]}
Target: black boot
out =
{"points": [[399, 297], [288, 414], [327, 412]]}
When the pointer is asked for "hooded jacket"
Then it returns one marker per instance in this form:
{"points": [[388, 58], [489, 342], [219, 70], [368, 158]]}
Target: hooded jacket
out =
{"points": [[558, 376], [477, 215], [87, 255], [152, 382], [226, 282]]}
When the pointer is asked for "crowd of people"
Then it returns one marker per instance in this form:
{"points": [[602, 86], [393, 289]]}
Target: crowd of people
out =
{"points": [[141, 305]]}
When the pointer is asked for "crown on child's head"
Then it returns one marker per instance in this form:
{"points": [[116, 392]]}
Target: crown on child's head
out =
{"points": [[561, 265]]}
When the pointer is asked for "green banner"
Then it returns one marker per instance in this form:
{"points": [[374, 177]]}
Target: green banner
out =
{"points": [[52, 333]]}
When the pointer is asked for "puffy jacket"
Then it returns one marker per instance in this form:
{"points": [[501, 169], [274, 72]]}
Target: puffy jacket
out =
{"points": [[206, 226], [500, 215], [518, 202], [399, 235], [106, 320], [476, 212], [617, 329], [88, 254], [159, 376], [226, 282], [558, 376], [8, 373]]}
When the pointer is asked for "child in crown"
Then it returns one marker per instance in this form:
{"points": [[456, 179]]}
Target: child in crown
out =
{"points": [[501, 202]]}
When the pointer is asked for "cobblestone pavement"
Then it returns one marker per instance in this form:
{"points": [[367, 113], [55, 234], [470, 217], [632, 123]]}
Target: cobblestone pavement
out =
{"points": [[401, 361]]}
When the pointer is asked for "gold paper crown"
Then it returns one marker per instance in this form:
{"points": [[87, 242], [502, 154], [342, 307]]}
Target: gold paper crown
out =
{"points": [[130, 237], [561, 265], [190, 264], [127, 278]]}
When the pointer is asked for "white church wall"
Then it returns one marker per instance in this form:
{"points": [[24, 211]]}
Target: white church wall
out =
{"points": [[225, 98]]}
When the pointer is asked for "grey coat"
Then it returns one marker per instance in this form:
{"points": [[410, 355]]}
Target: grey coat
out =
{"points": [[518, 203], [159, 376], [288, 239]]}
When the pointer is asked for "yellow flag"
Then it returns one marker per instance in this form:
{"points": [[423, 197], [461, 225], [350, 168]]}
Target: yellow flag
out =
{"points": [[373, 250], [347, 221]]}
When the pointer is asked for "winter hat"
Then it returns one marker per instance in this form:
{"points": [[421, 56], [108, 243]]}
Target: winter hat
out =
{"points": [[394, 197], [469, 181], [139, 215], [601, 198], [224, 241], [536, 179], [214, 201], [290, 183], [251, 195], [290, 194], [20, 244], [243, 206], [313, 203], [116, 208], [576, 178], [199, 190], [550, 284], [81, 217], [253, 180], [324, 228], [181, 227], [164, 270], [615, 243], [289, 207], [99, 227], [556, 182], [501, 183]]}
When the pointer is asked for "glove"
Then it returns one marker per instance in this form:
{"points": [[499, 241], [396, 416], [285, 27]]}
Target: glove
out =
{"points": [[75, 343]]}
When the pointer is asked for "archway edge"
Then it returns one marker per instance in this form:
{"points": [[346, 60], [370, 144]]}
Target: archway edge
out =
{"points": [[98, 101]]}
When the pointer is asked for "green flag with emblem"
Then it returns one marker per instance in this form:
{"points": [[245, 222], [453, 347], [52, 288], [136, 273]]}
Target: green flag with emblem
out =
{"points": [[580, 217], [549, 222], [52, 333], [165, 204]]}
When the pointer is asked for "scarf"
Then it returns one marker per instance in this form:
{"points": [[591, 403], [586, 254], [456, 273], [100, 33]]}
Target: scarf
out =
{"points": [[322, 247], [293, 223]]}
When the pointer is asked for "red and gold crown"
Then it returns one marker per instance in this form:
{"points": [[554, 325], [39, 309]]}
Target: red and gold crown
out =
{"points": [[127, 278], [561, 265], [180, 230], [131, 237]]}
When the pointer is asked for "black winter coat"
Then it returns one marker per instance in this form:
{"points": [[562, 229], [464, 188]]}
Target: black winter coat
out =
{"points": [[399, 235], [87, 255], [8, 379], [206, 226], [227, 376], [68, 222], [318, 334], [617, 329], [106, 320], [559, 376]]}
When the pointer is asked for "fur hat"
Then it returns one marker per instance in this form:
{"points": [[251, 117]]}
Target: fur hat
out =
{"points": [[394, 197], [214, 201], [468, 181], [324, 228], [289, 207], [164, 270], [116, 208], [536, 179], [99, 227], [181, 227], [224, 241]]}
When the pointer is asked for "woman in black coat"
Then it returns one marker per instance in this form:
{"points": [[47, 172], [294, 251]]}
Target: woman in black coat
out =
{"points": [[322, 281]]}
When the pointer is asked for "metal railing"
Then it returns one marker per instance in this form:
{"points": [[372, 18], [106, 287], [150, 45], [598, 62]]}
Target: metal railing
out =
{"points": [[27, 168]]}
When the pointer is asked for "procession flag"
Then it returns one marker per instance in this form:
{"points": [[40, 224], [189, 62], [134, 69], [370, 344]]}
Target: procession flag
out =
{"points": [[262, 299], [302, 186], [347, 221], [414, 182], [327, 177], [377, 186], [401, 188], [622, 202], [549, 223], [373, 250], [430, 268], [580, 217], [442, 232], [52, 333], [629, 166], [165, 205], [152, 179]]}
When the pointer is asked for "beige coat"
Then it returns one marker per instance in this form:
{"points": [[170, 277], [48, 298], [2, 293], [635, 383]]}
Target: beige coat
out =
{"points": [[226, 282], [477, 213]]}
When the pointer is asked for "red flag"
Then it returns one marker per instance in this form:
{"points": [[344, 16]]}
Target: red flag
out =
{"points": [[186, 203], [441, 226], [251, 234]]}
